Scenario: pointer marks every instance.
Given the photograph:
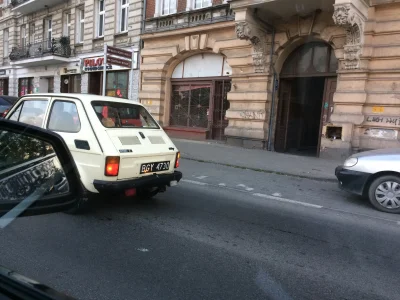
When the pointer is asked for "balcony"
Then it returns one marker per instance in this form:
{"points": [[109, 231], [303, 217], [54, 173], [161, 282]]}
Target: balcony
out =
{"points": [[209, 15], [41, 53], [276, 11], [29, 6]]}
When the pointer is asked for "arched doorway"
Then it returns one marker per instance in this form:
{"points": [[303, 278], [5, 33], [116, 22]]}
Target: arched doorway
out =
{"points": [[198, 105], [307, 85]]}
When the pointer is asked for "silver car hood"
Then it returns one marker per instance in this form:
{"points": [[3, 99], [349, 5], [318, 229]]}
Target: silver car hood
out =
{"points": [[379, 152]]}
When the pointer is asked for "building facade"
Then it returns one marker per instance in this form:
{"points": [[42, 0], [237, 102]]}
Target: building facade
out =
{"points": [[315, 77], [58, 46]]}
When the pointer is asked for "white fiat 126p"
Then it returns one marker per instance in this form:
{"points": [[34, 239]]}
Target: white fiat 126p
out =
{"points": [[116, 144]]}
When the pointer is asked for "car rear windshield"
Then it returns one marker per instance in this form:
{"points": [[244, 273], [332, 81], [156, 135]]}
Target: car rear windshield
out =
{"points": [[123, 115]]}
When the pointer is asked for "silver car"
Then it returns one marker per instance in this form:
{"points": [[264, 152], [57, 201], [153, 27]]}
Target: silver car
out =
{"points": [[373, 174]]}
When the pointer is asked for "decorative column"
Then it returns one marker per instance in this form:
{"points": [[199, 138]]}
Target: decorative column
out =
{"points": [[247, 28], [350, 96], [251, 93], [352, 16]]}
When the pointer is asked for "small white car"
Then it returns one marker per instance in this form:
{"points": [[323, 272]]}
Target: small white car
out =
{"points": [[116, 144]]}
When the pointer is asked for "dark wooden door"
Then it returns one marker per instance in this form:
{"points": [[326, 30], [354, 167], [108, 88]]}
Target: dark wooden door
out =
{"points": [[65, 81], [282, 119], [95, 83], [327, 106], [220, 106]]}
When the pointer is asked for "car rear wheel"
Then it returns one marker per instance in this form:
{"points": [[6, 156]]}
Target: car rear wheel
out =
{"points": [[384, 194], [82, 205]]}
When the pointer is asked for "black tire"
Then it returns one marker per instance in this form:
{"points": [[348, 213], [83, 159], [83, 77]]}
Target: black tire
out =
{"points": [[82, 204], [81, 207], [375, 201]]}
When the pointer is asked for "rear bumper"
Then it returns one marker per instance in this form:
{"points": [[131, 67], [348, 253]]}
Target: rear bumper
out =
{"points": [[146, 181], [351, 181]]}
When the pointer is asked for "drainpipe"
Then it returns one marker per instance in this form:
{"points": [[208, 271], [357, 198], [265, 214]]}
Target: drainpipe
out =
{"points": [[143, 20], [271, 114]]}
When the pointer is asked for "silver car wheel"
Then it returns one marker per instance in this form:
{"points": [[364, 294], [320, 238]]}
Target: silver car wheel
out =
{"points": [[387, 194]]}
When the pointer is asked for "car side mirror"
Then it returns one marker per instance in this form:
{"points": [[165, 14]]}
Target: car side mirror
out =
{"points": [[37, 172]]}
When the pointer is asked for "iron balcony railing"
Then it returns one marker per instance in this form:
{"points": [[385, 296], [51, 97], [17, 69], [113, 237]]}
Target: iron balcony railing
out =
{"points": [[56, 46], [209, 15]]}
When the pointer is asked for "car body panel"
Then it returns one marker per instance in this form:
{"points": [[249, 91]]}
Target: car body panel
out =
{"points": [[355, 179], [352, 181], [154, 144]]}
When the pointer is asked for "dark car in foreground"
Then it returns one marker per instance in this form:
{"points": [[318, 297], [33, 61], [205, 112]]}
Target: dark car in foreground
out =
{"points": [[37, 176], [5, 103], [375, 175]]}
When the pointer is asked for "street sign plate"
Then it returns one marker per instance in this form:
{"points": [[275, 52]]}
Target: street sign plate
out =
{"points": [[119, 62], [119, 52]]}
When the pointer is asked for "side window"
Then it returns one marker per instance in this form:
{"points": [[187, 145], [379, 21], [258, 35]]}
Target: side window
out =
{"points": [[16, 113], [64, 117], [30, 112]]}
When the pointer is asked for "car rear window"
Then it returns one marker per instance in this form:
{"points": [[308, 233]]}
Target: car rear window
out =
{"points": [[123, 115]]}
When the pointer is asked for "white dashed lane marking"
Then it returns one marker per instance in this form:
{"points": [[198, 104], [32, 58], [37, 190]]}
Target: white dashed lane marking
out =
{"points": [[287, 200], [202, 177], [257, 194], [194, 182]]}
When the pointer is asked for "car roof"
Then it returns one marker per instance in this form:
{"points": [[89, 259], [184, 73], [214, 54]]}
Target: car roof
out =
{"points": [[86, 98], [11, 99]]}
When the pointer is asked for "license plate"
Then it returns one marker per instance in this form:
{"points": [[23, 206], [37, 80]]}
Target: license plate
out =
{"points": [[154, 167]]}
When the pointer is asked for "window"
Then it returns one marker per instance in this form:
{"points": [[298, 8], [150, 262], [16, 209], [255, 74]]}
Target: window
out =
{"points": [[76, 83], [64, 117], [312, 59], [117, 115], [23, 35], [30, 112], [17, 149], [80, 26], [123, 15], [100, 18], [32, 33], [190, 104], [50, 85], [67, 24], [5, 43], [117, 84], [202, 3], [48, 28], [25, 86], [168, 7], [4, 86]]}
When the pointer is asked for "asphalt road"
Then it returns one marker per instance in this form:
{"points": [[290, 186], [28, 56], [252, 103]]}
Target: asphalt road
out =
{"points": [[223, 233]]}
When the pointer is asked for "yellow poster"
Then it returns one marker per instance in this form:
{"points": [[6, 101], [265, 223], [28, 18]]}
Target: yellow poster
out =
{"points": [[378, 109]]}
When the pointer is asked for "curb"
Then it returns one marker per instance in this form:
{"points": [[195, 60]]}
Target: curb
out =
{"points": [[316, 178]]}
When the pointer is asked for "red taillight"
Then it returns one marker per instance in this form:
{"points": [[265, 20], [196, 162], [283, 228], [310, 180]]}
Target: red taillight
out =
{"points": [[112, 166], [178, 157]]}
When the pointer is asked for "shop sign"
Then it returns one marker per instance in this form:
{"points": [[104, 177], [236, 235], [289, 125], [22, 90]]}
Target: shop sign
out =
{"points": [[119, 62], [119, 52], [3, 72], [66, 71], [96, 64]]}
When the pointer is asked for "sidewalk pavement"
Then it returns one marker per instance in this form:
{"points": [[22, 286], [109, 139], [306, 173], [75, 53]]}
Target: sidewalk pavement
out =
{"points": [[258, 160]]}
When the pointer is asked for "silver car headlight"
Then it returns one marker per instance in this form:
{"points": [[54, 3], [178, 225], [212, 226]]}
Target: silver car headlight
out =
{"points": [[351, 162]]}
